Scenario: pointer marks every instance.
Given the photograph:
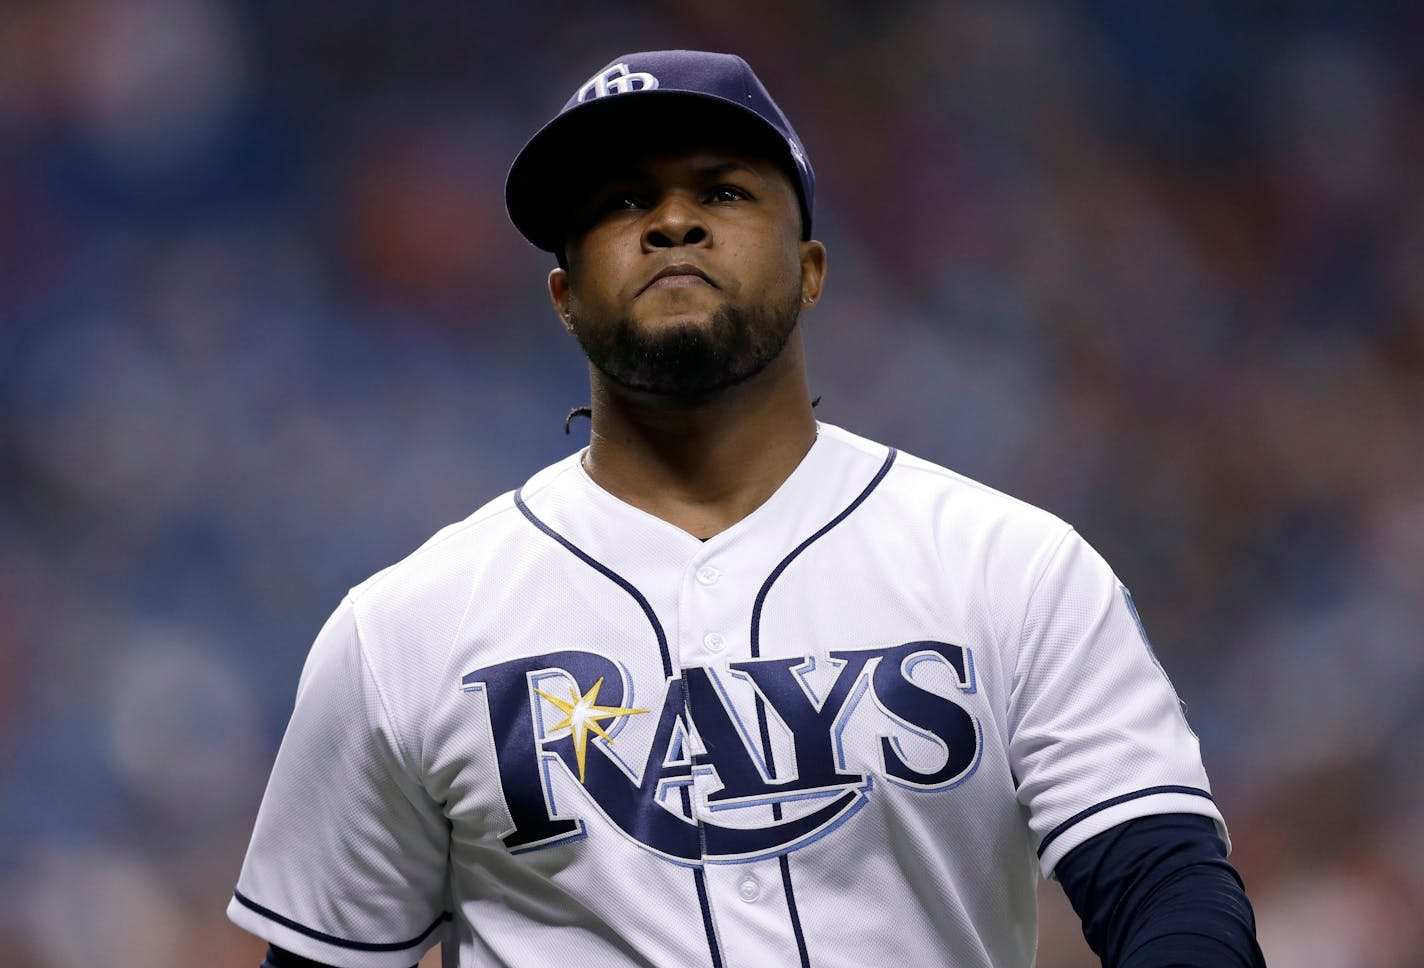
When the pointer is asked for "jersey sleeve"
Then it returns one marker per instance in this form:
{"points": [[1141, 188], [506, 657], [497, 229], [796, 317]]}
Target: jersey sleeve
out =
{"points": [[347, 864], [1097, 734]]}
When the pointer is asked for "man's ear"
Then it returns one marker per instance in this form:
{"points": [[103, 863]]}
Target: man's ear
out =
{"points": [[559, 294], [813, 272]]}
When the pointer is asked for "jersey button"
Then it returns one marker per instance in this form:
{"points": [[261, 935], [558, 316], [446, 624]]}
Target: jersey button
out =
{"points": [[708, 575], [749, 888], [714, 642]]}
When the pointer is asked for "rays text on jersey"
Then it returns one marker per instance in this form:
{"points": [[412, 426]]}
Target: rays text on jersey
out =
{"points": [[748, 760]]}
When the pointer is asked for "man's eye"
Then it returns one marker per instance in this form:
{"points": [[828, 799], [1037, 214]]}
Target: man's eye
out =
{"points": [[621, 202], [728, 193]]}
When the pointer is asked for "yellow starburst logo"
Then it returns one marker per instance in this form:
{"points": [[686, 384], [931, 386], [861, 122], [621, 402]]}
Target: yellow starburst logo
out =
{"points": [[581, 716]]}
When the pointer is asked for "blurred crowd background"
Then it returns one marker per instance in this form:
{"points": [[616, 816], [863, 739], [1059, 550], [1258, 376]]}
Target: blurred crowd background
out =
{"points": [[264, 327]]}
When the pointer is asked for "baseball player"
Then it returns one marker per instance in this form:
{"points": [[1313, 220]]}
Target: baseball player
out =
{"points": [[728, 687]]}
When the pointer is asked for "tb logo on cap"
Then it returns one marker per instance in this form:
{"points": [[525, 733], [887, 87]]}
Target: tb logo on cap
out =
{"points": [[616, 80]]}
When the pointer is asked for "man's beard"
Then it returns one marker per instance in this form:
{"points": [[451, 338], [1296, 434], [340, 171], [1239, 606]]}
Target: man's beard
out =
{"points": [[689, 359]]}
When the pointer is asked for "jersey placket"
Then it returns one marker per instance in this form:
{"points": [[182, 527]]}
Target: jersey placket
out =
{"points": [[746, 899]]}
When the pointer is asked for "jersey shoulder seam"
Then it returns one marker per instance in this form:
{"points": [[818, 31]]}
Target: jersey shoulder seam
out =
{"points": [[1048, 561], [368, 670]]}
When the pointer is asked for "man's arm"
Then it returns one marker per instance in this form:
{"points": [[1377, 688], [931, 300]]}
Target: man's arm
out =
{"points": [[1157, 892]]}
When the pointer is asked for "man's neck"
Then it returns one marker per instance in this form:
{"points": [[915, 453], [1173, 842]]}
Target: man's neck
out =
{"points": [[703, 464]]}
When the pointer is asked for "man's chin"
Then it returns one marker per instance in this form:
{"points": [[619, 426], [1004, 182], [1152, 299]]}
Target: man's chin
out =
{"points": [[651, 325], [685, 354]]}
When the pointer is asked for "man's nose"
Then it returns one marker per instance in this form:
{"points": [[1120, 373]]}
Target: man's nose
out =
{"points": [[677, 220]]}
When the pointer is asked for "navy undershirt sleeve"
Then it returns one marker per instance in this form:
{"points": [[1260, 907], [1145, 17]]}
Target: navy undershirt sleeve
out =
{"points": [[1157, 892], [282, 958]]}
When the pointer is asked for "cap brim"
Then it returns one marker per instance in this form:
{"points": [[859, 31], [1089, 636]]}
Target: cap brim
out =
{"points": [[550, 170]]}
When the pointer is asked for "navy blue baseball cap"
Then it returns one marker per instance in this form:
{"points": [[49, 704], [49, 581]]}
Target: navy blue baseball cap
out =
{"points": [[639, 93]]}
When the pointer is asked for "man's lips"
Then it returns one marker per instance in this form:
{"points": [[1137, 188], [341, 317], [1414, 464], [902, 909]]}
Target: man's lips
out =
{"points": [[681, 274]]}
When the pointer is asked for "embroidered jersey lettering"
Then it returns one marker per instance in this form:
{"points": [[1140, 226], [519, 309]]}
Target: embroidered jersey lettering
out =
{"points": [[927, 741]]}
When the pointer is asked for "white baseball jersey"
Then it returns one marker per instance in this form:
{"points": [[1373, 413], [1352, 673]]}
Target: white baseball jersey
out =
{"points": [[849, 730]]}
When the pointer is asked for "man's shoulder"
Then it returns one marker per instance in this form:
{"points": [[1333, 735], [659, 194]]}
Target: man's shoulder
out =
{"points": [[951, 498]]}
